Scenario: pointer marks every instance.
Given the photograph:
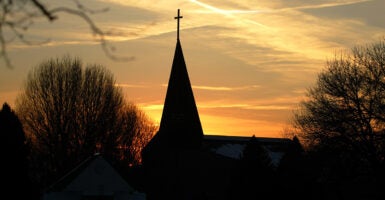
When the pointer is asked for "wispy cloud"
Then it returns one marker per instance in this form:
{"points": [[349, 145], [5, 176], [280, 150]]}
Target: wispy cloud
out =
{"points": [[276, 26], [325, 5], [223, 11], [149, 107], [252, 59], [221, 88], [152, 107], [246, 106], [264, 7], [124, 85]]}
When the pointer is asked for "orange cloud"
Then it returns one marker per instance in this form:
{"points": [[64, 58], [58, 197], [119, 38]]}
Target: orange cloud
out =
{"points": [[221, 88]]}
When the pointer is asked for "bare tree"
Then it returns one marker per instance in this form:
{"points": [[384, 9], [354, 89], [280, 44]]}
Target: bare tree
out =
{"points": [[17, 17], [137, 131], [69, 113], [345, 110]]}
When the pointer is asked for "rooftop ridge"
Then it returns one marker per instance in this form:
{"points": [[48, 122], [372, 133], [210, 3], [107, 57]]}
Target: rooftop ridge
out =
{"points": [[235, 137]]}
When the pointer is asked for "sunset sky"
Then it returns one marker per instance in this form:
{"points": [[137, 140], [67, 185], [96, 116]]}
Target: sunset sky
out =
{"points": [[250, 62]]}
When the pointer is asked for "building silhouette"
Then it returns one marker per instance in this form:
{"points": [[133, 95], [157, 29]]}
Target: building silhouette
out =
{"points": [[94, 178], [180, 162]]}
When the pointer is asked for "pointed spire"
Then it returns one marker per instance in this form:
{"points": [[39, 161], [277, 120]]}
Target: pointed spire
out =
{"points": [[180, 126], [180, 118]]}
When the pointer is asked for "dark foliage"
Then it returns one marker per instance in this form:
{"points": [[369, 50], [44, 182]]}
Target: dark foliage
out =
{"points": [[294, 176], [255, 175], [342, 123], [14, 150], [255, 156]]}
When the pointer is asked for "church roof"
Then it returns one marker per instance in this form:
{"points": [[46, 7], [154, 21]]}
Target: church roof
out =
{"points": [[233, 146]]}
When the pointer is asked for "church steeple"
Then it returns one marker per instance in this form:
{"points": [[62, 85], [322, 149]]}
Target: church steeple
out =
{"points": [[180, 119], [180, 125]]}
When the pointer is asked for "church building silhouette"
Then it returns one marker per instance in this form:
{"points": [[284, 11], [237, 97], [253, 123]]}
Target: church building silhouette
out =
{"points": [[180, 162]]}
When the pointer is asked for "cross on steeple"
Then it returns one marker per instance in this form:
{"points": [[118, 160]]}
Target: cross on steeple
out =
{"points": [[177, 18]]}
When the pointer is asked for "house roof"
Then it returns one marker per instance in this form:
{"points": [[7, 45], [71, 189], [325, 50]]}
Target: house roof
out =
{"points": [[93, 175]]}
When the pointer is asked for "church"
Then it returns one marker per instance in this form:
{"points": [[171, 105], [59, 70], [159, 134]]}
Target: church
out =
{"points": [[180, 162]]}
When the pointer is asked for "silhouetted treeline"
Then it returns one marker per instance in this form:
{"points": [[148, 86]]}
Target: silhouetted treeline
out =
{"points": [[342, 122], [322, 173], [254, 176], [14, 152], [69, 112]]}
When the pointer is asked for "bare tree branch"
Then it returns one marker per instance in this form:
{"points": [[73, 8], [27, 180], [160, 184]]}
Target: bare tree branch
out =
{"points": [[43, 10], [16, 18], [95, 30]]}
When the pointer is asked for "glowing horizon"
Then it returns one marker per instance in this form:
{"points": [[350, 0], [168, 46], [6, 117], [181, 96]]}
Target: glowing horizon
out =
{"points": [[249, 62]]}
